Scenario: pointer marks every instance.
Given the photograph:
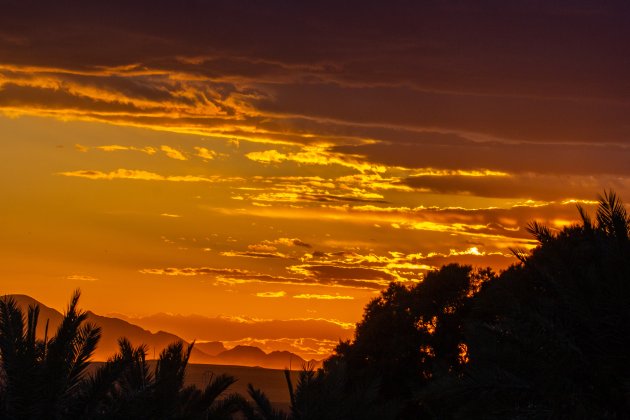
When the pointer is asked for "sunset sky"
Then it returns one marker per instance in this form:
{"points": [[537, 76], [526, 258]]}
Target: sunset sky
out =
{"points": [[277, 161]]}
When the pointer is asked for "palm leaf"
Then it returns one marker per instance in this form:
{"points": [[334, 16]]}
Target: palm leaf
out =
{"points": [[264, 408], [586, 218], [539, 231], [287, 376], [216, 387], [612, 217], [84, 346]]}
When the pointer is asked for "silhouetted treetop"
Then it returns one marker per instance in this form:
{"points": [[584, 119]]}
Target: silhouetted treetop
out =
{"points": [[547, 338]]}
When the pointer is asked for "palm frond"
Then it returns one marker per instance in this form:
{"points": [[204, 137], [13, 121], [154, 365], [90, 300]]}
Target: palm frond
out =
{"points": [[171, 366], [216, 387], [612, 217], [287, 376], [31, 326], [136, 375], [97, 388], [586, 218], [520, 253], [84, 346], [61, 348], [15, 361], [263, 406], [539, 231], [225, 408], [11, 330]]}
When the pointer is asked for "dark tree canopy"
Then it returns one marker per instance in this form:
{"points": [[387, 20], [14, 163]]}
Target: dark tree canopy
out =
{"points": [[547, 338]]}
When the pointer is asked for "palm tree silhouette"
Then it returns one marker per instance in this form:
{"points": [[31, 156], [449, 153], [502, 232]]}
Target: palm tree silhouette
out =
{"points": [[46, 378], [43, 377], [140, 393]]}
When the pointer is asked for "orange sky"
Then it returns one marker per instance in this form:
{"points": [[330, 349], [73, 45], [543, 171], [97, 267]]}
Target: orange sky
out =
{"points": [[204, 160]]}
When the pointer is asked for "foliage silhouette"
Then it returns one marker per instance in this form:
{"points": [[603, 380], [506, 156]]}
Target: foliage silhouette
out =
{"points": [[138, 393], [43, 378], [46, 378], [546, 338]]}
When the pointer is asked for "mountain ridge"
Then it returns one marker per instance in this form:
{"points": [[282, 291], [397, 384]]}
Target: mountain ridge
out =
{"points": [[113, 328]]}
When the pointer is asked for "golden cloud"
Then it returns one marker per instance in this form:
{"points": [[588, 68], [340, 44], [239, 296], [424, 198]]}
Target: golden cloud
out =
{"points": [[316, 155], [193, 271], [271, 294], [254, 254], [145, 176], [117, 147], [205, 153], [81, 277], [322, 297], [271, 245], [234, 279], [173, 153]]}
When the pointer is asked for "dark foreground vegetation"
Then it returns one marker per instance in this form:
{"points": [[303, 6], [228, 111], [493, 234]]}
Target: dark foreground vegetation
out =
{"points": [[547, 338]]}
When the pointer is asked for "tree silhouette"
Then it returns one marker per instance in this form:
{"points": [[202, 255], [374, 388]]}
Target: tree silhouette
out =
{"points": [[549, 337], [46, 378], [408, 335], [139, 393], [43, 377], [261, 409]]}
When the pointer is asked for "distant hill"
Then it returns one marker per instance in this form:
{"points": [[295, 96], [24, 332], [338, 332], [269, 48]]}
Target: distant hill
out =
{"points": [[112, 330], [204, 353], [246, 355], [211, 348]]}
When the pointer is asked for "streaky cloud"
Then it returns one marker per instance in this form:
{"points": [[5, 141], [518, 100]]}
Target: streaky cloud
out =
{"points": [[322, 297], [271, 294], [135, 174]]}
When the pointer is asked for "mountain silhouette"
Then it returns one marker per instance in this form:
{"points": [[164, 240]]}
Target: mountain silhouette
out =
{"points": [[246, 355], [211, 348], [242, 352], [113, 328]]}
